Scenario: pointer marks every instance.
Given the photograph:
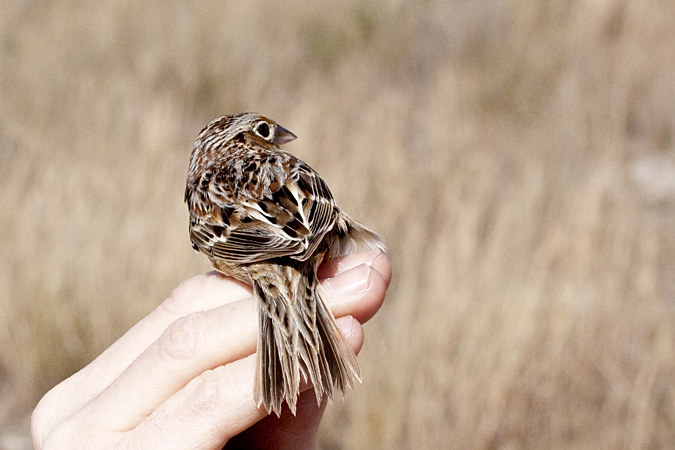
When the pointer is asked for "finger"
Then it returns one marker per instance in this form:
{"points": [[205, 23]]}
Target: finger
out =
{"points": [[208, 289], [358, 291], [218, 405], [373, 259], [199, 293], [191, 345], [212, 408], [352, 331]]}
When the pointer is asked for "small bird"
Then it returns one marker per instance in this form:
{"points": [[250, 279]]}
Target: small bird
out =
{"points": [[264, 217]]}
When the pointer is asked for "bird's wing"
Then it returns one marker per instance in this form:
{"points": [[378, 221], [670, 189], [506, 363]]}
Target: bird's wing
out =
{"points": [[317, 206], [289, 222]]}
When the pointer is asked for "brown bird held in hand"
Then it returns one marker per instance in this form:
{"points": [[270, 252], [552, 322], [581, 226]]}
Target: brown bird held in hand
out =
{"points": [[266, 218]]}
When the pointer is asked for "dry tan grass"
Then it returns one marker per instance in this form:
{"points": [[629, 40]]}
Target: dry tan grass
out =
{"points": [[517, 156]]}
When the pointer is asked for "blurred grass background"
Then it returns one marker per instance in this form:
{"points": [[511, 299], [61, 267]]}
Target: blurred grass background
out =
{"points": [[518, 157]]}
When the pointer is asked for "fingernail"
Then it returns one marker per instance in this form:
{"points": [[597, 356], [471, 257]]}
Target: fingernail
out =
{"points": [[368, 258], [352, 281], [346, 325]]}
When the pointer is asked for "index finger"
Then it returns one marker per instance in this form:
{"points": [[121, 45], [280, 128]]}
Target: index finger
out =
{"points": [[199, 293]]}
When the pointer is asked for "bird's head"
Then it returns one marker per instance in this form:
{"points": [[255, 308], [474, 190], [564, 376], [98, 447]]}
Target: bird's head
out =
{"points": [[231, 135], [245, 127]]}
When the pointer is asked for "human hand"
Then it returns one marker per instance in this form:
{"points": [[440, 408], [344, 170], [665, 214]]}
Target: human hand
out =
{"points": [[182, 377]]}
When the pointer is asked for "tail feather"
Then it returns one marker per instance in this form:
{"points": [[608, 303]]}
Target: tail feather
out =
{"points": [[298, 334], [342, 365], [353, 237], [270, 373]]}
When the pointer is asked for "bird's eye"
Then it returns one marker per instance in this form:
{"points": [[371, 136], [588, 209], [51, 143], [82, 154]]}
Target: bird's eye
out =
{"points": [[263, 129]]}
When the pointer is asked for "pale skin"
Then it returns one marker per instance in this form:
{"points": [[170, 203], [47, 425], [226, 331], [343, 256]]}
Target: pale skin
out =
{"points": [[182, 377]]}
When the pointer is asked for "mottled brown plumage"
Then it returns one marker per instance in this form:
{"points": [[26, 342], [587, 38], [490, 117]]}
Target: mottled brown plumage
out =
{"points": [[265, 217]]}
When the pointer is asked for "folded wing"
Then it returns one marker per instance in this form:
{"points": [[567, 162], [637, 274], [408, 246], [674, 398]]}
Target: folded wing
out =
{"points": [[291, 221]]}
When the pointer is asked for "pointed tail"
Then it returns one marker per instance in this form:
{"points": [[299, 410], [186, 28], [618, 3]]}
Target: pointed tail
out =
{"points": [[298, 334]]}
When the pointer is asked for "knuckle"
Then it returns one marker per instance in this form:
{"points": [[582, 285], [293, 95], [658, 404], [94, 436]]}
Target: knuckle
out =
{"points": [[207, 393], [179, 301], [181, 340], [158, 422]]}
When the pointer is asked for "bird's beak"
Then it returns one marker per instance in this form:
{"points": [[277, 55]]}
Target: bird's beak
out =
{"points": [[282, 136]]}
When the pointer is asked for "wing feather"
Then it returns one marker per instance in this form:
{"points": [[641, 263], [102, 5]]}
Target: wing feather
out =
{"points": [[291, 221]]}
